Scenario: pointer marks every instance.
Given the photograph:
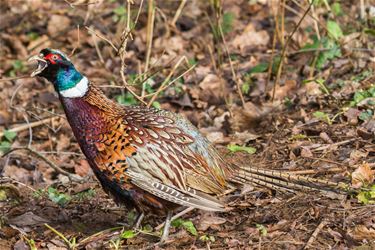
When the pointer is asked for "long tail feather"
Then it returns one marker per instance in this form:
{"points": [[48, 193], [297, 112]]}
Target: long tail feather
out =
{"points": [[286, 182]]}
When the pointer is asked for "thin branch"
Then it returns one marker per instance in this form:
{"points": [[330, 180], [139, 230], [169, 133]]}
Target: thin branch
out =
{"points": [[178, 12], [163, 86], [102, 37], [165, 81], [317, 230], [14, 78], [150, 31], [46, 160], [29, 125], [234, 75], [283, 52]]}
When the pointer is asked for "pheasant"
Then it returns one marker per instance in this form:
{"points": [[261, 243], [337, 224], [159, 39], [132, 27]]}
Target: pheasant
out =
{"points": [[152, 160]]}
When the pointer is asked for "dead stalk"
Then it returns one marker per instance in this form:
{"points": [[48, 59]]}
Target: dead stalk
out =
{"points": [[46, 160], [166, 80], [234, 75], [102, 37], [29, 125], [150, 31], [317, 230], [283, 52], [178, 12]]}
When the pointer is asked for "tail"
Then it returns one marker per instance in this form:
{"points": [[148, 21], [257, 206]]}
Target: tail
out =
{"points": [[286, 182]]}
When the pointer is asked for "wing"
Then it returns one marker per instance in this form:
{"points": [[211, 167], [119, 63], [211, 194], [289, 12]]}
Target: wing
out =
{"points": [[164, 154]]}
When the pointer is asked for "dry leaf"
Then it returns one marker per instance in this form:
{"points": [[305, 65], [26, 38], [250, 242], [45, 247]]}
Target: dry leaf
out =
{"points": [[63, 143], [247, 117], [208, 220], [283, 91], [213, 88], [57, 23], [250, 38], [82, 169], [363, 175], [361, 232], [27, 219]]}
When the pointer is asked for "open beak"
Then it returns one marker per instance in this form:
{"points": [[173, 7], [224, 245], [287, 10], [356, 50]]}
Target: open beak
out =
{"points": [[42, 64]]}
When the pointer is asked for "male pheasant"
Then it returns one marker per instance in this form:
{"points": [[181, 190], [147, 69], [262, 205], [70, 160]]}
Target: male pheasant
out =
{"points": [[149, 159]]}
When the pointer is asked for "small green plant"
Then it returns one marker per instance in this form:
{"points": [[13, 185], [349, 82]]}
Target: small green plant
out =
{"points": [[262, 229], [236, 148], [128, 234], [119, 14], [18, 66], [361, 95], [72, 243], [327, 47], [322, 117], [207, 238], [58, 197], [126, 99], [7, 140], [248, 82], [367, 196], [298, 137], [31, 243], [62, 199], [185, 224]]}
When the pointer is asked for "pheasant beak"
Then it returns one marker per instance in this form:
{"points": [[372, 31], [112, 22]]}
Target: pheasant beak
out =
{"points": [[42, 64]]}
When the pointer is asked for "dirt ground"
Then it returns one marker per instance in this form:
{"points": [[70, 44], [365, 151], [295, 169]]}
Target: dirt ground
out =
{"points": [[275, 84]]}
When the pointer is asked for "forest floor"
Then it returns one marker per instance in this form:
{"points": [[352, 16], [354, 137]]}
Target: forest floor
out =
{"points": [[274, 84]]}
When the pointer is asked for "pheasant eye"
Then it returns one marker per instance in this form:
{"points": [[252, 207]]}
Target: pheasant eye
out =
{"points": [[54, 57]]}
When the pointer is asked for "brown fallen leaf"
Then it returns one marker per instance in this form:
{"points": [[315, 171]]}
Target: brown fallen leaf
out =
{"points": [[83, 168], [283, 91], [363, 175], [247, 117], [250, 38], [207, 220], [63, 142], [57, 23], [27, 219], [306, 152], [361, 232], [214, 90]]}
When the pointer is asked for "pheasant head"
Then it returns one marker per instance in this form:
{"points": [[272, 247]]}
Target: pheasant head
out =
{"points": [[57, 68]]}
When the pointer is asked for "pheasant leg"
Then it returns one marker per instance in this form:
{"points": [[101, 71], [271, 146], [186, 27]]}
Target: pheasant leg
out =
{"points": [[138, 221], [167, 225]]}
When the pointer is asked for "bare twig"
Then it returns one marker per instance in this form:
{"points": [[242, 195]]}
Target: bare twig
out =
{"points": [[98, 52], [163, 86], [234, 75], [46, 160], [178, 12], [150, 31], [317, 230], [102, 37], [29, 125], [283, 52], [165, 81], [78, 41], [14, 78]]}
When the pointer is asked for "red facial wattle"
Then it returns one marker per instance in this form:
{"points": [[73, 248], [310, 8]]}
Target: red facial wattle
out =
{"points": [[52, 58]]}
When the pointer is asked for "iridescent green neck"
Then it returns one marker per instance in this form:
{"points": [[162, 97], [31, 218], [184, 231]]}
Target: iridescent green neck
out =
{"points": [[67, 78]]}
